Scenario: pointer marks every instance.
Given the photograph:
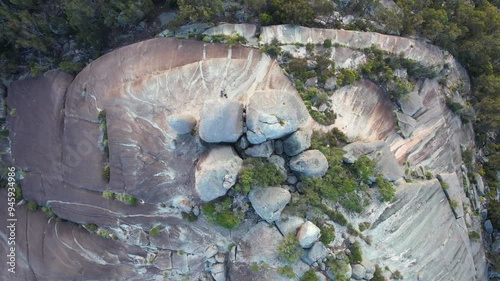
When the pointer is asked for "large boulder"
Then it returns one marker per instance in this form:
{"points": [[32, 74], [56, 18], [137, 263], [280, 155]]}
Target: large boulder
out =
{"points": [[308, 234], [317, 253], [268, 202], [297, 142], [273, 114], [216, 172], [182, 123], [289, 225], [221, 121], [310, 163], [259, 245], [260, 150], [358, 272], [379, 152]]}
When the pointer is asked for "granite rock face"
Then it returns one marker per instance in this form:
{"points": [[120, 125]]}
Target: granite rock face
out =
{"points": [[310, 163], [217, 172], [221, 121], [268, 202]]}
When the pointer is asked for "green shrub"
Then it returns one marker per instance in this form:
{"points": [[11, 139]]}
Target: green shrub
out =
{"points": [[91, 227], [71, 67], [377, 275], [32, 206], [347, 76], [339, 268], [287, 271], [265, 19], [222, 214], [106, 173], [108, 194], [397, 275], [289, 249], [494, 213], [155, 230], [356, 255], [101, 116], [104, 233], [190, 217], [387, 191], [327, 234], [444, 185], [327, 43], [127, 199], [364, 226], [365, 167], [335, 216], [255, 267], [256, 171], [48, 211], [310, 275]]}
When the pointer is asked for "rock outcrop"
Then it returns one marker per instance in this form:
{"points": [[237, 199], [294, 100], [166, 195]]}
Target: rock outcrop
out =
{"points": [[308, 234], [310, 163], [221, 121], [268, 202], [297, 142], [272, 115], [217, 172]]}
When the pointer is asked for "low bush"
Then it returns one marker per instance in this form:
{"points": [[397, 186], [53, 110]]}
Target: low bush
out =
{"points": [[387, 191], [190, 217], [327, 43], [32, 206], [108, 194], [127, 199], [364, 226], [327, 234], [356, 255], [106, 173], [155, 230], [339, 268], [256, 171], [222, 214], [289, 249], [48, 211], [287, 271], [397, 275], [378, 275], [310, 275]]}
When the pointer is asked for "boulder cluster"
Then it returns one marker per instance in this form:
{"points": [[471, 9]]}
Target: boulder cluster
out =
{"points": [[267, 127]]}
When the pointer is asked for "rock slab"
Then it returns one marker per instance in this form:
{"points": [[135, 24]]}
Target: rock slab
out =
{"points": [[308, 234], [268, 202], [310, 163], [216, 172], [221, 121]]}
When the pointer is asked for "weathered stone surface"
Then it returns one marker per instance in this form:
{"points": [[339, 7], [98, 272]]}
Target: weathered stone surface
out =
{"points": [[406, 124], [263, 150], [358, 272], [479, 184], [289, 225], [272, 115], [268, 202], [427, 210], [331, 83], [216, 172], [246, 30], [317, 253], [297, 142], [308, 234], [219, 272], [495, 247], [182, 123], [488, 227], [378, 151], [279, 162], [163, 260], [310, 163], [259, 245], [221, 121]]}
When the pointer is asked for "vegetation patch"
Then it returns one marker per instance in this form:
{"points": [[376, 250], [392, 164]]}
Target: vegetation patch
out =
{"points": [[155, 230], [223, 213], [327, 234], [289, 249], [287, 271], [257, 172], [127, 199], [356, 255], [310, 275]]}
